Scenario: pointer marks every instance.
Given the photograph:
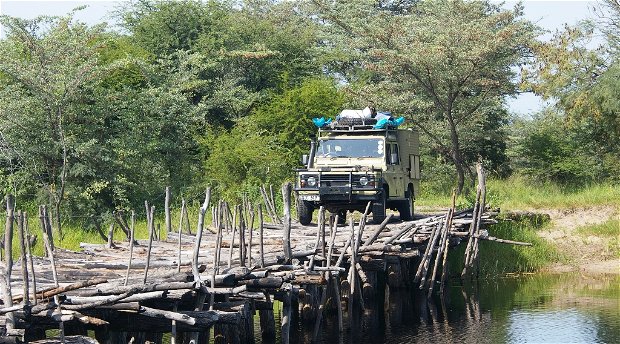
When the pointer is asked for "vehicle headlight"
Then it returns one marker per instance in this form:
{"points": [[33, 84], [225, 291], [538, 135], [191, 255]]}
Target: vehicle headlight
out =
{"points": [[363, 181], [311, 181]]}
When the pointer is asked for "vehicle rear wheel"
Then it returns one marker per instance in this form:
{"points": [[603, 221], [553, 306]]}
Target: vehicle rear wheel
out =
{"points": [[405, 208], [378, 208], [304, 212]]}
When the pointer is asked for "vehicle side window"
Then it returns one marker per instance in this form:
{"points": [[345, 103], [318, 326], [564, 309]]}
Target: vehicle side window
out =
{"points": [[392, 148]]}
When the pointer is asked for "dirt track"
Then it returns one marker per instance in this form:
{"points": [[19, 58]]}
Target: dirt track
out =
{"points": [[585, 253]]}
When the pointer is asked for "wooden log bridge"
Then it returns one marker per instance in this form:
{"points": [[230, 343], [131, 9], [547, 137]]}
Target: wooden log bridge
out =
{"points": [[209, 285]]}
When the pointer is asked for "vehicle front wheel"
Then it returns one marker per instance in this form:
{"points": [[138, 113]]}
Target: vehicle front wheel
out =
{"points": [[304, 212], [342, 217]]}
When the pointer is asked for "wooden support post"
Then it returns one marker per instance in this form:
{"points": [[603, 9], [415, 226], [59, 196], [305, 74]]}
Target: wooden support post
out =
{"points": [[31, 265], [232, 237], [216, 255], [320, 226], [201, 216], [48, 227], [167, 211], [394, 274], [444, 270], [352, 275], [247, 323], [149, 219], [483, 190], [186, 217], [7, 267], [440, 251], [471, 251], [173, 330], [24, 264], [323, 242], [310, 303], [179, 237], [267, 320], [286, 197], [250, 232], [260, 229], [428, 253], [50, 253], [131, 243], [286, 313], [319, 317], [8, 233], [224, 225], [272, 201], [241, 237]]}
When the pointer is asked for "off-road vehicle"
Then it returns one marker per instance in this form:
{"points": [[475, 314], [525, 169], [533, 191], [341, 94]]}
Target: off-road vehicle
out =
{"points": [[352, 164]]}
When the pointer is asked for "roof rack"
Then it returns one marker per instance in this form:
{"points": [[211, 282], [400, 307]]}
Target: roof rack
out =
{"points": [[353, 124], [356, 129]]}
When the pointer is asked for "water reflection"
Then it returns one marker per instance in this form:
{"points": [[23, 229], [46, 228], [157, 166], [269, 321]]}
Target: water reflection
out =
{"points": [[530, 309]]}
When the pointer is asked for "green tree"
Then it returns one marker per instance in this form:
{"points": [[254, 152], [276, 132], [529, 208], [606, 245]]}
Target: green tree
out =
{"points": [[447, 64], [582, 81], [249, 49], [49, 66], [91, 123], [547, 148], [265, 145]]}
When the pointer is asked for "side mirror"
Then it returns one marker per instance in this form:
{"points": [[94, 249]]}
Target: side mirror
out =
{"points": [[393, 159], [304, 159]]}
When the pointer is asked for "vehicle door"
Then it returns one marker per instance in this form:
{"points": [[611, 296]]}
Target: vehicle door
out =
{"points": [[394, 175]]}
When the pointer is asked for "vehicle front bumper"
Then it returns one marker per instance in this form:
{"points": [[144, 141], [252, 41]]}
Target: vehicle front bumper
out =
{"points": [[338, 194]]}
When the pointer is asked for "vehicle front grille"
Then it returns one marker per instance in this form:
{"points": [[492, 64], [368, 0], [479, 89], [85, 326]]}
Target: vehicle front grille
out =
{"points": [[343, 179], [335, 180]]}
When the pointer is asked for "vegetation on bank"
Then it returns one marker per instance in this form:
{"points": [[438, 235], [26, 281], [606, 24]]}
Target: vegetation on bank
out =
{"points": [[520, 192], [498, 259], [608, 230]]}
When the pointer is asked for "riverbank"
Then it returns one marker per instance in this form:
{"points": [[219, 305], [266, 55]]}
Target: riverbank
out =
{"points": [[588, 238], [583, 240], [571, 229]]}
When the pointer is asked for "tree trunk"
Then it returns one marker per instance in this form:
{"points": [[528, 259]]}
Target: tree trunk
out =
{"points": [[58, 225], [455, 153]]}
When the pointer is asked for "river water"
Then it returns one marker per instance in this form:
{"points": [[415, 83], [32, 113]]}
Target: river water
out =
{"points": [[539, 308]]}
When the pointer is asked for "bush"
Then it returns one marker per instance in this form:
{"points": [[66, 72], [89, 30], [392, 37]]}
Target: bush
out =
{"points": [[548, 148]]}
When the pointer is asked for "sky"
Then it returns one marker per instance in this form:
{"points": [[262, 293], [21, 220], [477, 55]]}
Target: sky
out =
{"points": [[549, 15]]}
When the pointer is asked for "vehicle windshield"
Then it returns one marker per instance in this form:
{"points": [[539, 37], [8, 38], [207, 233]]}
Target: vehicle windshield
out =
{"points": [[350, 148]]}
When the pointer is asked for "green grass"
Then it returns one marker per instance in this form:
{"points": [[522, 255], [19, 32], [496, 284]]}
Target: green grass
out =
{"points": [[609, 230], [74, 234], [497, 259], [518, 192]]}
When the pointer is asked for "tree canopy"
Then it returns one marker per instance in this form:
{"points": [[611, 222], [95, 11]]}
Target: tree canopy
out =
{"points": [[447, 65]]}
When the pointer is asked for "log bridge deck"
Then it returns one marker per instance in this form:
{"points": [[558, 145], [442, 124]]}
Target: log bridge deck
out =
{"points": [[208, 284]]}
